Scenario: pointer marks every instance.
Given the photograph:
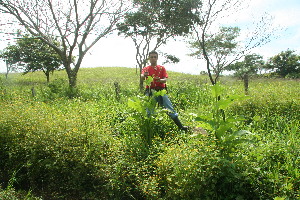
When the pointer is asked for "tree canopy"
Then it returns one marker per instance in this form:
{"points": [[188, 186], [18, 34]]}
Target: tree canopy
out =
{"points": [[211, 14], [218, 47], [250, 65], [76, 25], [33, 55], [168, 17], [286, 63], [153, 22]]}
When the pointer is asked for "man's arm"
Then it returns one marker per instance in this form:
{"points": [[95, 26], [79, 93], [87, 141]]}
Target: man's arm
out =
{"points": [[144, 75], [161, 80], [163, 74]]}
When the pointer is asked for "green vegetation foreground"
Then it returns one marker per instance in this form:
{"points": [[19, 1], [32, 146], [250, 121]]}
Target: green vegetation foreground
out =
{"points": [[87, 143]]}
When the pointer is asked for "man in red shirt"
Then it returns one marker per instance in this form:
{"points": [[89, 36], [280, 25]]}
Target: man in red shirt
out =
{"points": [[160, 75]]}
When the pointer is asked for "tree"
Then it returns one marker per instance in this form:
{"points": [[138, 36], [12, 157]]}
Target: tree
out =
{"points": [[153, 22], [212, 11], [247, 67], [285, 63], [76, 25], [218, 48], [9, 61], [33, 55]]}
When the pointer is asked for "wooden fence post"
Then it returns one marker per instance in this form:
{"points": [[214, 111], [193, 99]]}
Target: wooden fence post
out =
{"points": [[118, 90]]}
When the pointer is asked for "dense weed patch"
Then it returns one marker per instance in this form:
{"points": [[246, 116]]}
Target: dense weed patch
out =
{"points": [[88, 144]]}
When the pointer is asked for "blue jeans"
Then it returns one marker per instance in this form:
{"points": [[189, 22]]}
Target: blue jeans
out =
{"points": [[164, 102]]}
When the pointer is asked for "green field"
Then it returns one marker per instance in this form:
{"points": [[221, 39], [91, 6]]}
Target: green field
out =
{"points": [[90, 143]]}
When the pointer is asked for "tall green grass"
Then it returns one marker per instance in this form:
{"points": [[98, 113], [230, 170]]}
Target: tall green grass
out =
{"points": [[90, 147]]}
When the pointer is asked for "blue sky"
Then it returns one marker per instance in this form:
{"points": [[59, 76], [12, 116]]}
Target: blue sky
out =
{"points": [[117, 51], [285, 14]]}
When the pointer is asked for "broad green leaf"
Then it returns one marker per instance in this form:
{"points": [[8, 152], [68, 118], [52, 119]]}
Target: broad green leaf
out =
{"points": [[136, 105], [241, 132], [206, 126], [216, 90], [204, 117], [279, 198], [160, 93], [131, 104], [149, 80], [257, 118], [219, 134], [206, 120], [225, 103], [136, 117], [224, 127], [235, 119]]}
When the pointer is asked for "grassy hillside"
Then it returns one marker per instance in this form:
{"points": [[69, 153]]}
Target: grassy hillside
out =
{"points": [[92, 145]]}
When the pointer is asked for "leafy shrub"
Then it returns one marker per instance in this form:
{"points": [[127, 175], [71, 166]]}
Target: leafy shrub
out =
{"points": [[126, 171], [12, 194], [293, 75], [189, 94], [57, 155], [274, 155], [194, 170], [59, 88], [271, 168]]}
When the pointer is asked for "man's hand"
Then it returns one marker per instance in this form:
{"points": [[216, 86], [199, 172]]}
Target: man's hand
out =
{"points": [[161, 80], [157, 79], [144, 76]]}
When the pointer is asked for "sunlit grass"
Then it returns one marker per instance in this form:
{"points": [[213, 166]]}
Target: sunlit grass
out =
{"points": [[89, 145]]}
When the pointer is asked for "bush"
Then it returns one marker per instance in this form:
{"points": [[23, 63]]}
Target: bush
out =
{"points": [[271, 167], [57, 156], [195, 170], [12, 194]]}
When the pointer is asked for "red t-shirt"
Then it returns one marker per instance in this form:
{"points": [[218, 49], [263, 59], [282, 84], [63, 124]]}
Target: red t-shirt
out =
{"points": [[157, 71]]}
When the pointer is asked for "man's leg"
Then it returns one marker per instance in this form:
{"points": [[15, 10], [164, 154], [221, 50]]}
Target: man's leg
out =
{"points": [[165, 102]]}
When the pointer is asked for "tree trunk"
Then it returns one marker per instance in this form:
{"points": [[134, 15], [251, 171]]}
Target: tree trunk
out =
{"points": [[141, 85], [117, 90], [141, 81], [72, 74], [207, 59], [48, 76], [72, 80], [33, 93], [7, 70], [246, 83]]}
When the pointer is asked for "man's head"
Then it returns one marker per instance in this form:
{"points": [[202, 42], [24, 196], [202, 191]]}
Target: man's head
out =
{"points": [[153, 56]]}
